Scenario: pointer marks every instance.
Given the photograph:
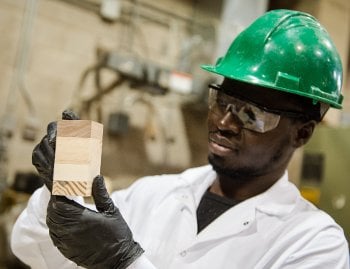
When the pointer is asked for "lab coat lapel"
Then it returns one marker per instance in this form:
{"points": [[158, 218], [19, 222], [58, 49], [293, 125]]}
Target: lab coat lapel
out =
{"points": [[233, 221], [237, 220], [279, 200], [242, 219]]}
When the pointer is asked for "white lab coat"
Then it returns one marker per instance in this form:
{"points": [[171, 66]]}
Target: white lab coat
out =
{"points": [[276, 229]]}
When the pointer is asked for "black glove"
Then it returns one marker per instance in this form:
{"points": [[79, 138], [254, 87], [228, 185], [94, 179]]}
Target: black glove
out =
{"points": [[92, 239], [43, 156]]}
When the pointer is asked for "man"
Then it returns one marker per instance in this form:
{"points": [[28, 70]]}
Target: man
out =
{"points": [[280, 77]]}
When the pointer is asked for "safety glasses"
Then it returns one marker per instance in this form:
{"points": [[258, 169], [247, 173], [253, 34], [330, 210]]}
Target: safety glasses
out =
{"points": [[251, 116]]}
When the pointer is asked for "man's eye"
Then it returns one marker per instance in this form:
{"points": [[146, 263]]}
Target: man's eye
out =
{"points": [[251, 115]]}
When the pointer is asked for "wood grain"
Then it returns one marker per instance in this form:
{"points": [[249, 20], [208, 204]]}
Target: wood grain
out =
{"points": [[72, 188], [77, 157]]}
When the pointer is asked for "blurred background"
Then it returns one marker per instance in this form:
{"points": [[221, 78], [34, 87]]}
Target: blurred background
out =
{"points": [[133, 65]]}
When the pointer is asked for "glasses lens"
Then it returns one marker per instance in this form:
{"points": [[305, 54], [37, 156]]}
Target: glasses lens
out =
{"points": [[252, 117]]}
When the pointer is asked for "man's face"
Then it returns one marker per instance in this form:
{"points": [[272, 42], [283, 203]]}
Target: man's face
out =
{"points": [[241, 152]]}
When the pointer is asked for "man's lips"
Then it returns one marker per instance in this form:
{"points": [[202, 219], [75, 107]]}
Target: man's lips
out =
{"points": [[220, 145]]}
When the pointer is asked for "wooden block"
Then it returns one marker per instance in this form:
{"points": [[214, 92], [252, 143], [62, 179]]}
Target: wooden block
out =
{"points": [[77, 157]]}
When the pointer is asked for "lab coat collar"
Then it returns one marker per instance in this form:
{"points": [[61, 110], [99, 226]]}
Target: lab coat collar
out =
{"points": [[279, 200]]}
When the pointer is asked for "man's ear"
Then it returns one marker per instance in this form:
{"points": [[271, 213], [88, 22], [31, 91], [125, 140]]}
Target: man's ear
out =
{"points": [[304, 132]]}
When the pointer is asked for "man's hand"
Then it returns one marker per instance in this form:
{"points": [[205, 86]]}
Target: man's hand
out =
{"points": [[92, 239], [43, 156]]}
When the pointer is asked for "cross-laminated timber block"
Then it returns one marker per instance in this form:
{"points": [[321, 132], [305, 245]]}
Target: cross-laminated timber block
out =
{"points": [[77, 157]]}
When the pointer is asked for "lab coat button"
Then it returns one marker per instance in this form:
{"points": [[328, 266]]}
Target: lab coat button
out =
{"points": [[183, 253]]}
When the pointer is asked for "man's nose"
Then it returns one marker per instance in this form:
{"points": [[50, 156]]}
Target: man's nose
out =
{"points": [[230, 122]]}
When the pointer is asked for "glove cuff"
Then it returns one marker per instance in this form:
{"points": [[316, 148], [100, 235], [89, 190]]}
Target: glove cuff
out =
{"points": [[134, 252]]}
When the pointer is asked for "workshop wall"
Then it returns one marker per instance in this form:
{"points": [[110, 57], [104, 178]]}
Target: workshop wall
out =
{"points": [[63, 40]]}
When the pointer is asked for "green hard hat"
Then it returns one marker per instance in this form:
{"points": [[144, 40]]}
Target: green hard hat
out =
{"points": [[288, 51]]}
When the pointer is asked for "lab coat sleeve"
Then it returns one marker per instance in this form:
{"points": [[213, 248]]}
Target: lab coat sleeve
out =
{"points": [[328, 249], [30, 240]]}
